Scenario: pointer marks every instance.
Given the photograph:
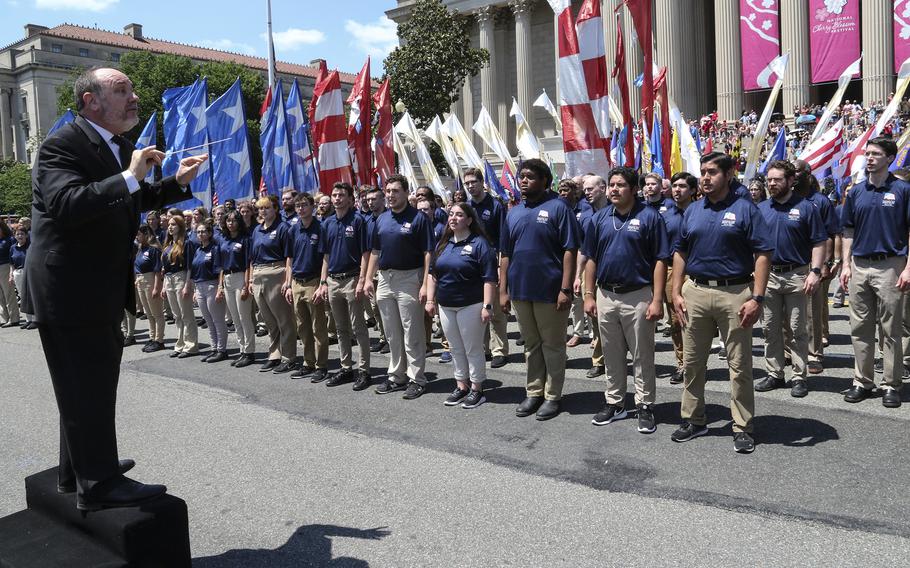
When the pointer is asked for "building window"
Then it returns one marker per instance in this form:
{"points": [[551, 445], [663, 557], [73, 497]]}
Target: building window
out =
{"points": [[83, 52], [56, 48], [115, 57]]}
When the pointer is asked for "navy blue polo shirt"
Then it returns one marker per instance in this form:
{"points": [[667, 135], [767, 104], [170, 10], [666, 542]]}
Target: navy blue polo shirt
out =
{"points": [[174, 267], [402, 239], [626, 248], [270, 244], [5, 246], [535, 237], [795, 227], [721, 239], [583, 205], [584, 219], [461, 270], [307, 262], [879, 217], [440, 215], [492, 214], [206, 262], [740, 190], [661, 205], [17, 255], [235, 253], [825, 208], [161, 234], [344, 241], [673, 217], [438, 230], [148, 259]]}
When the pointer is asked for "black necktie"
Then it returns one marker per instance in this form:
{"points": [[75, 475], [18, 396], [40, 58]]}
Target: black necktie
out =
{"points": [[125, 149]]}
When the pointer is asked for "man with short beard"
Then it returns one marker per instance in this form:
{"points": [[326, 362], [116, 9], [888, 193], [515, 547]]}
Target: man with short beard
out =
{"points": [[288, 212]]}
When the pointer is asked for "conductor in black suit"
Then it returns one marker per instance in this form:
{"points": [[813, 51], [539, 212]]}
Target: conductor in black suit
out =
{"points": [[89, 177]]}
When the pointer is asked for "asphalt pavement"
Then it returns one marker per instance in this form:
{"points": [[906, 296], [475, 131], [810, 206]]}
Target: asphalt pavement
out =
{"points": [[278, 472]]}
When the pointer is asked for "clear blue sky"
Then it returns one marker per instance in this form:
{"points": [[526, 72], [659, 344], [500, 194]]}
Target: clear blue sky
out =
{"points": [[341, 31]]}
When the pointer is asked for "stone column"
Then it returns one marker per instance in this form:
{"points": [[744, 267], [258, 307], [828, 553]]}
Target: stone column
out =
{"points": [[522, 11], [467, 108], [703, 98], [6, 133], [676, 50], [502, 99], [727, 55], [794, 35], [878, 51], [487, 41], [634, 62]]}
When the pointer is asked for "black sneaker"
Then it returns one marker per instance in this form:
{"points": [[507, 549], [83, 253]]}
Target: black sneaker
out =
{"points": [[388, 386], [319, 375], [284, 367], [498, 361], [743, 443], [879, 366], [687, 431], [303, 372], [646, 423], [722, 354], [677, 377], [456, 397], [377, 347], [610, 413], [413, 391], [474, 399], [363, 380], [770, 383], [339, 377], [269, 365]]}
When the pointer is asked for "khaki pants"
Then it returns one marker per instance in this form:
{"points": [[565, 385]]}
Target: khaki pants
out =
{"points": [[241, 312], [597, 355], [128, 325], [151, 305], [825, 287], [312, 324], [184, 318], [19, 282], [276, 313], [710, 309], [405, 330], [377, 315], [348, 314], [786, 306], [579, 319], [817, 317], [9, 307], [624, 327], [875, 300], [496, 334], [543, 328], [676, 333]]}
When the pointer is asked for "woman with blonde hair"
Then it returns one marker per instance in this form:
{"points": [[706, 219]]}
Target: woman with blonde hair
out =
{"points": [[176, 274], [149, 280]]}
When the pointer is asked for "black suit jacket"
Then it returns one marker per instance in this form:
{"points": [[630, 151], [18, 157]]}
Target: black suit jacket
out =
{"points": [[84, 220]]}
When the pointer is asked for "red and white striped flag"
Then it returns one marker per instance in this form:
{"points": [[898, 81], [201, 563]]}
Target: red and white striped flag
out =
{"points": [[330, 135], [821, 154], [581, 140], [385, 147], [359, 133], [619, 75], [590, 30]]}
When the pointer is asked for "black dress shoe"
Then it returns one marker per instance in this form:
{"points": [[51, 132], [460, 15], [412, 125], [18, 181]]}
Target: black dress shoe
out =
{"points": [[217, 357], [207, 357], [319, 375], [269, 365], [186, 355], [498, 361], [529, 406], [769, 384], [364, 380], [799, 388], [118, 492], [284, 367], [68, 485], [376, 348], [595, 371], [11, 324], [244, 360], [127, 341], [857, 394], [891, 398], [303, 373], [31, 325], [549, 409], [174, 354]]}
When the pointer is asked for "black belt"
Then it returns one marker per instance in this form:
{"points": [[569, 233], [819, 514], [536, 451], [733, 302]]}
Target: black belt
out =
{"points": [[236, 271], [781, 268], [726, 282], [304, 280], [621, 288], [882, 256], [343, 275]]}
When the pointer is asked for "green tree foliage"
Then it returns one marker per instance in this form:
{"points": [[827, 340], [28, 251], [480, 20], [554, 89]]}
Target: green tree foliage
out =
{"points": [[427, 70], [15, 187]]}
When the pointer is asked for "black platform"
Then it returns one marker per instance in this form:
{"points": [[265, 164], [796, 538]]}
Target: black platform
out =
{"points": [[52, 532]]}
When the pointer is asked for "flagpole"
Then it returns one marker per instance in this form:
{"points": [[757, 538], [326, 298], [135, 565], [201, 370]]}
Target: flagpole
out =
{"points": [[271, 44]]}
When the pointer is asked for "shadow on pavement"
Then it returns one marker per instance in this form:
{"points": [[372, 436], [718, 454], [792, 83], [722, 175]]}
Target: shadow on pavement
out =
{"points": [[310, 545]]}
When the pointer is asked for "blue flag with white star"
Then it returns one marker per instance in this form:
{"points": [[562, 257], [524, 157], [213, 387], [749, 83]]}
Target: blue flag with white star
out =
{"points": [[301, 153], [489, 176], [175, 133], [657, 154], [191, 139], [276, 150], [231, 174], [778, 151], [65, 118], [149, 137]]}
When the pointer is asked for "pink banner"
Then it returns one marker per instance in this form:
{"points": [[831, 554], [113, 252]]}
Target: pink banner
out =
{"points": [[833, 37], [901, 33], [759, 30]]}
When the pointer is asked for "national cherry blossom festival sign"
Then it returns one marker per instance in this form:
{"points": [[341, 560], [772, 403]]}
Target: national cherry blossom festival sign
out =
{"points": [[901, 33], [759, 26], [834, 39]]}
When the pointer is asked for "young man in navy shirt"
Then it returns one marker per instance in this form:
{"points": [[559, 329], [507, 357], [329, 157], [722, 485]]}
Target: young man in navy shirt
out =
{"points": [[402, 246], [652, 192], [539, 243], [309, 311], [344, 244], [492, 215], [627, 249], [723, 241], [799, 238], [876, 219], [376, 203]]}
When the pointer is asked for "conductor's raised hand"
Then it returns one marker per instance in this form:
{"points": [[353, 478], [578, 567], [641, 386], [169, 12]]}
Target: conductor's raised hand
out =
{"points": [[189, 167], [144, 160]]}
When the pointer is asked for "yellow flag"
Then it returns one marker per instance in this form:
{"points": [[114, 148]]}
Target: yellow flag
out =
{"points": [[676, 163]]}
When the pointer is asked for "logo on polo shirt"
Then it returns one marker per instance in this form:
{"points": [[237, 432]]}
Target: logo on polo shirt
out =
{"points": [[314, 237], [405, 228], [663, 209], [466, 250], [543, 217], [634, 225], [888, 200], [485, 215], [208, 256], [349, 232], [273, 234], [794, 215], [145, 254], [578, 216], [294, 220], [238, 246], [729, 219]]}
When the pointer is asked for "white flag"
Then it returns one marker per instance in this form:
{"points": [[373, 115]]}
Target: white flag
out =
{"points": [[842, 84], [525, 140], [434, 132], [488, 132], [408, 129], [544, 102], [463, 146], [779, 66]]}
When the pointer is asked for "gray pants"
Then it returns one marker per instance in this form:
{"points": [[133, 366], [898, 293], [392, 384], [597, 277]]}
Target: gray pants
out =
{"points": [[213, 312]]}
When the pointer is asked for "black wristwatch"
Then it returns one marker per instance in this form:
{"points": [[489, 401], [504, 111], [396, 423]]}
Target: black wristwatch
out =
{"points": [[817, 271], [488, 307], [567, 291], [758, 299]]}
